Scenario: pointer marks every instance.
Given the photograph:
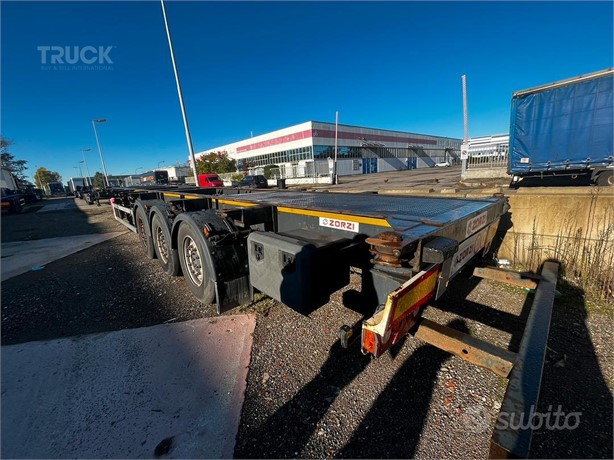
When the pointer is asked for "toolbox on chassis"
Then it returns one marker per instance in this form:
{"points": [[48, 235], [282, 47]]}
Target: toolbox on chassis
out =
{"points": [[298, 247]]}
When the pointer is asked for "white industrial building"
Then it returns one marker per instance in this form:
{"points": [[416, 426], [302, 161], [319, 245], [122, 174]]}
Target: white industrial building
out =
{"points": [[488, 146], [307, 150], [176, 173], [487, 157]]}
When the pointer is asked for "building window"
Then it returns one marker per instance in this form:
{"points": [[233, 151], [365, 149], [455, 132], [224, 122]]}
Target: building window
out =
{"points": [[284, 156]]}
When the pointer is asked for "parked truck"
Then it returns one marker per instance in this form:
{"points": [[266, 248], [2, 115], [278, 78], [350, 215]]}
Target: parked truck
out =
{"points": [[564, 129], [55, 189], [75, 184], [12, 199]]}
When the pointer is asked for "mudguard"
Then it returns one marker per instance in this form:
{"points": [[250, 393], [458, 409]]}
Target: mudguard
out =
{"points": [[225, 256]]}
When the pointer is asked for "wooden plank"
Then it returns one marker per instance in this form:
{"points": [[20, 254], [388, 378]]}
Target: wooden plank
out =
{"points": [[466, 347], [506, 276]]}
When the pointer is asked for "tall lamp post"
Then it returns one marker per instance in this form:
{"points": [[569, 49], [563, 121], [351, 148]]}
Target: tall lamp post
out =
{"points": [[159, 162], [89, 176], [465, 144], [180, 95], [104, 168], [336, 148]]}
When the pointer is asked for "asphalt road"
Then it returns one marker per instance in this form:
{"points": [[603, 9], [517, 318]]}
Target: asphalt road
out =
{"points": [[55, 217], [307, 397], [415, 180], [435, 178]]}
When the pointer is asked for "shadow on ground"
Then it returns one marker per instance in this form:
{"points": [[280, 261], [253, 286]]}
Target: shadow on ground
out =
{"points": [[35, 225], [573, 381], [109, 286], [392, 427]]}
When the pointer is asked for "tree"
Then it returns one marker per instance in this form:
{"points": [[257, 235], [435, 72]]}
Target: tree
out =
{"points": [[43, 176], [215, 163], [17, 167], [99, 180]]}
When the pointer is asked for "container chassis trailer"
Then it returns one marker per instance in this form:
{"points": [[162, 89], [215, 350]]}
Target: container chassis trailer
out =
{"points": [[298, 248]]}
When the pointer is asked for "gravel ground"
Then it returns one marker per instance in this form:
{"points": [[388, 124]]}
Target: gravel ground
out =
{"points": [[308, 397]]}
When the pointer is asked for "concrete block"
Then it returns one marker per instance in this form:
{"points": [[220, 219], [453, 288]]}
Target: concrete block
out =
{"points": [[20, 256], [120, 394]]}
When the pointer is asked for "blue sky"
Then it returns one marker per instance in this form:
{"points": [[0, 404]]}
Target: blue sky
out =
{"points": [[257, 67]]}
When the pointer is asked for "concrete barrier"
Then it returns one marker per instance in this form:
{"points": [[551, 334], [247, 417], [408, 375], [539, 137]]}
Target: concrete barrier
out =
{"points": [[486, 173], [572, 225]]}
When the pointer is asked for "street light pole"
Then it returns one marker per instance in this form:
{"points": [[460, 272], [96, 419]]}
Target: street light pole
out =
{"points": [[161, 162], [336, 148], [89, 176], [80, 171], [104, 168], [179, 93], [465, 145]]}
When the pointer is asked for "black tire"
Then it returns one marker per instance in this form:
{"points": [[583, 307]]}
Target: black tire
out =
{"points": [[161, 237], [142, 230], [605, 178], [16, 207], [192, 250]]}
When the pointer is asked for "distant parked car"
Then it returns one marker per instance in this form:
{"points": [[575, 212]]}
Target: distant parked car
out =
{"points": [[443, 164], [254, 182], [12, 200], [32, 195], [210, 180]]}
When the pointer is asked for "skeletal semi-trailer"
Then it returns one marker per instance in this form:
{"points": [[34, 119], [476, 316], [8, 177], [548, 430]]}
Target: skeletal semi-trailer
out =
{"points": [[298, 247]]}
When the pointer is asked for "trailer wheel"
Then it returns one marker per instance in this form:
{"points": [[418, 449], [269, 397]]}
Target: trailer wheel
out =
{"points": [[161, 237], [605, 178], [194, 265], [142, 229]]}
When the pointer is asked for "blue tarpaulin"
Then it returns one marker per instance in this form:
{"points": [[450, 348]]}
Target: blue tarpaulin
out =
{"points": [[564, 127]]}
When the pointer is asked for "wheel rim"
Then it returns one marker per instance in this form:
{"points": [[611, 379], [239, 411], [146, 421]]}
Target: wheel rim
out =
{"points": [[142, 233], [161, 242], [193, 260]]}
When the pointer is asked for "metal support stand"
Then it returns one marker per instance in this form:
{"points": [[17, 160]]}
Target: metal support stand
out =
{"points": [[524, 369], [522, 392]]}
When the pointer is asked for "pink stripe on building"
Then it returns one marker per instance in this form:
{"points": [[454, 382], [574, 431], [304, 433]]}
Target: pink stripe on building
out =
{"points": [[330, 134], [275, 141]]}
